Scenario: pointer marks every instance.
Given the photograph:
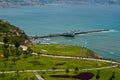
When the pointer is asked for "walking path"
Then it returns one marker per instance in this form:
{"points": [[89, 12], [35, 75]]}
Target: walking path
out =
{"points": [[72, 57], [37, 75], [59, 70], [24, 48]]}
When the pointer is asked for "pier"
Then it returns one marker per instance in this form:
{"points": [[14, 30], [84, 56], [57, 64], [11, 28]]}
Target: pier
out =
{"points": [[68, 34]]}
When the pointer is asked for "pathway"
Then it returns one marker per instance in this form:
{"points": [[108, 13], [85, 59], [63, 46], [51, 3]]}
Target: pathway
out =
{"points": [[72, 57], [59, 70], [37, 75], [24, 48]]}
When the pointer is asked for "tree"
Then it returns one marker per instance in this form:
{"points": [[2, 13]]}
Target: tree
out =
{"points": [[32, 78], [5, 63], [3, 75], [6, 53], [17, 73], [14, 60], [76, 70], [25, 54], [25, 78], [30, 50], [17, 44], [5, 47], [53, 68], [67, 70], [98, 76], [5, 39], [112, 76]]}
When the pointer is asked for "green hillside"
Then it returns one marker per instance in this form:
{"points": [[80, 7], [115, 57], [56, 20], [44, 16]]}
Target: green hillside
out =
{"points": [[63, 50], [12, 32]]}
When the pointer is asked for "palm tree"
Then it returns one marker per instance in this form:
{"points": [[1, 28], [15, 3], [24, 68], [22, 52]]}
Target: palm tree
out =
{"points": [[98, 76]]}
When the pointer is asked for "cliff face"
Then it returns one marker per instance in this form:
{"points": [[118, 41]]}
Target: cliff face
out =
{"points": [[12, 32], [41, 2]]}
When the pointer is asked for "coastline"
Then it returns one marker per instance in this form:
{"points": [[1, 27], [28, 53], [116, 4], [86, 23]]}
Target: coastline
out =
{"points": [[106, 43]]}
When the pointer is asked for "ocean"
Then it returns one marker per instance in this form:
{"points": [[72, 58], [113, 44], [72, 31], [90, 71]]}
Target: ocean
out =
{"points": [[50, 19]]}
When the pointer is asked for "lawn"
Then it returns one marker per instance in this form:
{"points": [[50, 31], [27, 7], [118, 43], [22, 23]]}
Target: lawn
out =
{"points": [[59, 49], [33, 62], [104, 74], [39, 63], [18, 76]]}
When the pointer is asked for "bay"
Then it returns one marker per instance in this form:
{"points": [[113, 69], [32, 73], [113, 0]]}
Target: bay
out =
{"points": [[50, 19]]}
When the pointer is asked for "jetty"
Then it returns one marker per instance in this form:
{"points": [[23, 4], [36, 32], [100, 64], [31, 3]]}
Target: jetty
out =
{"points": [[68, 34]]}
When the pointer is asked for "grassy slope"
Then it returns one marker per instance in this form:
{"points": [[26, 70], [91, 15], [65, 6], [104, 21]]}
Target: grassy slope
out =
{"points": [[73, 51], [6, 26], [21, 76], [49, 63], [33, 62], [59, 49], [105, 74]]}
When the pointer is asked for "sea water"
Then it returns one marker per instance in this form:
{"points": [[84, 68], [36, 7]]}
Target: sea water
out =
{"points": [[50, 19]]}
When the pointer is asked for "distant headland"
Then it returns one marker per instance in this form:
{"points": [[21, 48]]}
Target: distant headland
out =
{"points": [[12, 33]]}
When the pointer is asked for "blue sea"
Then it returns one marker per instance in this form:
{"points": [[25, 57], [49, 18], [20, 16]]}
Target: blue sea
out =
{"points": [[50, 19]]}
